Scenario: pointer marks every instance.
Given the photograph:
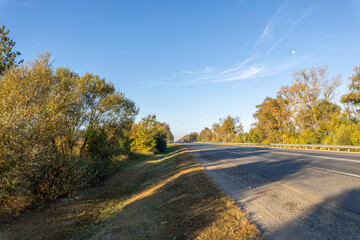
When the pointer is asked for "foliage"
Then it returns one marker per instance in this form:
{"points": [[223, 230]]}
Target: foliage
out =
{"points": [[205, 135], [58, 132], [273, 119], [149, 135], [343, 136], [352, 99], [302, 112], [227, 130], [192, 137], [166, 129], [7, 55]]}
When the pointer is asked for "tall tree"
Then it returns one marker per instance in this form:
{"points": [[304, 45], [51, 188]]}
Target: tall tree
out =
{"points": [[206, 135], [104, 109], [7, 55], [228, 127], [46, 116], [273, 119], [166, 129], [352, 99], [308, 90], [216, 129]]}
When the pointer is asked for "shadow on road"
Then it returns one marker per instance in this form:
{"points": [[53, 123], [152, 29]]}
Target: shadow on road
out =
{"points": [[323, 222], [234, 171]]}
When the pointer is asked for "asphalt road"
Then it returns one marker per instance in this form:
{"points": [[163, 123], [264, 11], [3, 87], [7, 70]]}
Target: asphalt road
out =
{"points": [[320, 176]]}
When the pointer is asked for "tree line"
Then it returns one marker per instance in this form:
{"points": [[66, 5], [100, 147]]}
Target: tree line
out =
{"points": [[303, 112], [60, 131]]}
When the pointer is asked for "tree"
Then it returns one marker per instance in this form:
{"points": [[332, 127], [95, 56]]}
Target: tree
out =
{"points": [[352, 99], [216, 130], [7, 55], [205, 135], [255, 134], [58, 132], [273, 119], [228, 127], [148, 136], [104, 108], [166, 129], [192, 137], [304, 95]]}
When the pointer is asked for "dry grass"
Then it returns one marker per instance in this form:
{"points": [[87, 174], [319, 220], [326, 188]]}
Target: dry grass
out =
{"points": [[166, 196]]}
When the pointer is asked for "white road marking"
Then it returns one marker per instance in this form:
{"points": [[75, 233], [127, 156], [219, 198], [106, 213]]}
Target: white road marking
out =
{"points": [[332, 158], [306, 155], [333, 171], [323, 169], [296, 154]]}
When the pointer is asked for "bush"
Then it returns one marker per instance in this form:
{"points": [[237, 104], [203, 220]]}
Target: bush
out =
{"points": [[58, 132], [148, 136], [160, 142]]}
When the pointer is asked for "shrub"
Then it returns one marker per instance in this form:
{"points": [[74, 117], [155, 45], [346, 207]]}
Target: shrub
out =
{"points": [[58, 132], [148, 136]]}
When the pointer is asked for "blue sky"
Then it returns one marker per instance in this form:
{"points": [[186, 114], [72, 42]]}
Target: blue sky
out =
{"points": [[191, 62]]}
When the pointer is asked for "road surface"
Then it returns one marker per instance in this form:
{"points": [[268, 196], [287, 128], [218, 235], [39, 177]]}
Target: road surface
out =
{"points": [[290, 194]]}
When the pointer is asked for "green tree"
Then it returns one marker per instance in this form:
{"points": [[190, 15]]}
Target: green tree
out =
{"points": [[7, 55], [148, 136], [192, 137], [254, 134], [104, 109], [205, 135]]}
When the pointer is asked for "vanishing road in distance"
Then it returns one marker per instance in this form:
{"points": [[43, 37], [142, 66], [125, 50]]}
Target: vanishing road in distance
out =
{"points": [[290, 194]]}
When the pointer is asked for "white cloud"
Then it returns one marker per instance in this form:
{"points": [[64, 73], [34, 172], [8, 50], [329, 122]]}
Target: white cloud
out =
{"points": [[291, 29], [205, 70], [239, 65], [267, 32], [247, 73], [293, 52]]}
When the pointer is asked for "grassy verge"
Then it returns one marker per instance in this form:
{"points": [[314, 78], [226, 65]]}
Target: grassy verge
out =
{"points": [[166, 196]]}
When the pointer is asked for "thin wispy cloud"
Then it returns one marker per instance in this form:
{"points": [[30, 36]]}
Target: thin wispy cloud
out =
{"points": [[269, 28], [279, 27], [259, 64], [250, 68], [239, 65], [246, 69], [291, 29], [205, 70], [246, 74]]}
